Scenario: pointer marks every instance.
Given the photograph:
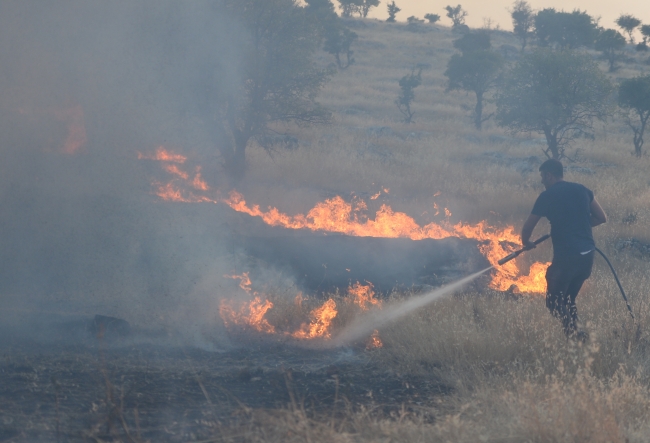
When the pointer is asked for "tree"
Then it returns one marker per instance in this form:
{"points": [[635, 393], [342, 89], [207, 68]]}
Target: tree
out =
{"points": [[278, 79], [433, 18], [556, 93], [565, 30], [473, 41], [338, 41], [475, 71], [349, 7], [634, 100], [457, 15], [393, 9], [523, 21], [610, 42], [367, 5], [645, 32], [407, 85], [628, 23]]}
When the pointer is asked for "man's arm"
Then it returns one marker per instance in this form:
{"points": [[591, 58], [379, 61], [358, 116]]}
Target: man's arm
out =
{"points": [[527, 230], [598, 216]]}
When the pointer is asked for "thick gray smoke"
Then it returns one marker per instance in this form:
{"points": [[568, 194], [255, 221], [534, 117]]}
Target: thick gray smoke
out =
{"points": [[86, 85]]}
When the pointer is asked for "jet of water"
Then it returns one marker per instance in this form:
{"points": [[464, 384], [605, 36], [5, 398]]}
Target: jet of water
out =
{"points": [[364, 325]]}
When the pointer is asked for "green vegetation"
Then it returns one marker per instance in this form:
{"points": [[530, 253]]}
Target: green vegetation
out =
{"points": [[634, 99], [523, 20], [433, 18], [628, 23], [476, 70], [555, 93], [457, 15], [564, 30], [407, 85], [610, 42], [393, 9]]}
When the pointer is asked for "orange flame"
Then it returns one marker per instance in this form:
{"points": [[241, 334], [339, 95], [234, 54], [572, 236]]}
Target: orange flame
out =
{"points": [[374, 342], [76, 137], [163, 155], [321, 319], [244, 281], [251, 314], [363, 295], [337, 215]]}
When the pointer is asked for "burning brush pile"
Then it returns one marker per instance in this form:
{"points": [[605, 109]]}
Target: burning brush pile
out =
{"points": [[337, 215]]}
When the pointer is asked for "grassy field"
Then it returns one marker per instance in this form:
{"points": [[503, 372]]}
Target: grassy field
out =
{"points": [[516, 377], [479, 366]]}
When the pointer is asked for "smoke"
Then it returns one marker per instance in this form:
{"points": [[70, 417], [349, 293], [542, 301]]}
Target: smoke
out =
{"points": [[87, 84]]}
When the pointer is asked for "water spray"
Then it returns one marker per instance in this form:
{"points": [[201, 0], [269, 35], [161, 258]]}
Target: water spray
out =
{"points": [[377, 319]]}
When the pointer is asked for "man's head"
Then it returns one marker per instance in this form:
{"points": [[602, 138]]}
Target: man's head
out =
{"points": [[551, 172]]}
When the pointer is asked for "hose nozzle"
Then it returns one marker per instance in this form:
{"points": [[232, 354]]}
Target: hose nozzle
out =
{"points": [[515, 254]]}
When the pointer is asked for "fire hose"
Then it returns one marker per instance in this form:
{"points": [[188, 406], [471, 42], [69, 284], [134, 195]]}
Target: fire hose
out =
{"points": [[545, 237]]}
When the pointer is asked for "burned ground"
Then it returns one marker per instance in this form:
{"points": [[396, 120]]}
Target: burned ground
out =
{"points": [[97, 390]]}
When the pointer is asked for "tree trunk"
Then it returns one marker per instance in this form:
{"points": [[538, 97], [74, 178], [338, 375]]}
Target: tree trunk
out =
{"points": [[234, 158], [478, 111], [551, 142]]}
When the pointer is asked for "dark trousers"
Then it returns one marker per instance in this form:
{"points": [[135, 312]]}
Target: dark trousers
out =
{"points": [[564, 278]]}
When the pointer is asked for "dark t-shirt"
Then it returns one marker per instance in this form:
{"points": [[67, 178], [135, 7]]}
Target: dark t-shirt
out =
{"points": [[567, 206]]}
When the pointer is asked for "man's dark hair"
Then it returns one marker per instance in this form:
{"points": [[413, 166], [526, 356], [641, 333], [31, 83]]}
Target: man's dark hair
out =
{"points": [[553, 166]]}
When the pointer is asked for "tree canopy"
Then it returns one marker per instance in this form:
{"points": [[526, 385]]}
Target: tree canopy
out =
{"points": [[565, 30], [523, 20], [628, 23], [610, 42], [456, 14], [556, 93], [634, 99], [475, 71], [393, 9]]}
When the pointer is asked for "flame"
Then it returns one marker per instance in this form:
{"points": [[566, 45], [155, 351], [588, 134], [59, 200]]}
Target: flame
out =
{"points": [[198, 183], [244, 281], [374, 342], [76, 138], [251, 314], [173, 169], [337, 215], [363, 295], [163, 155], [321, 319]]}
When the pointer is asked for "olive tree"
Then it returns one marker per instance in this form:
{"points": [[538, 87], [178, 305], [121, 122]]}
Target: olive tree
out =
{"points": [[338, 40], [278, 79], [610, 42], [475, 71], [393, 9], [456, 14], [556, 93], [407, 85], [628, 23], [564, 30], [634, 100], [523, 20]]}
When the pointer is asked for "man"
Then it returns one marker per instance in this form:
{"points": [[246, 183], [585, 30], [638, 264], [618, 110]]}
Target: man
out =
{"points": [[572, 211]]}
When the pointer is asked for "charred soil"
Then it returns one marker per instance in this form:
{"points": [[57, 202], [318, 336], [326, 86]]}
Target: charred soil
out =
{"points": [[97, 391]]}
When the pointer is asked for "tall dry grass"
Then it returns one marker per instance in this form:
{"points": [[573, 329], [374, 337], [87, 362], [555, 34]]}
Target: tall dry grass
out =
{"points": [[515, 376]]}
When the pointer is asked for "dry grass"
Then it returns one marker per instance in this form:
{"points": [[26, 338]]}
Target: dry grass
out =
{"points": [[516, 376]]}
